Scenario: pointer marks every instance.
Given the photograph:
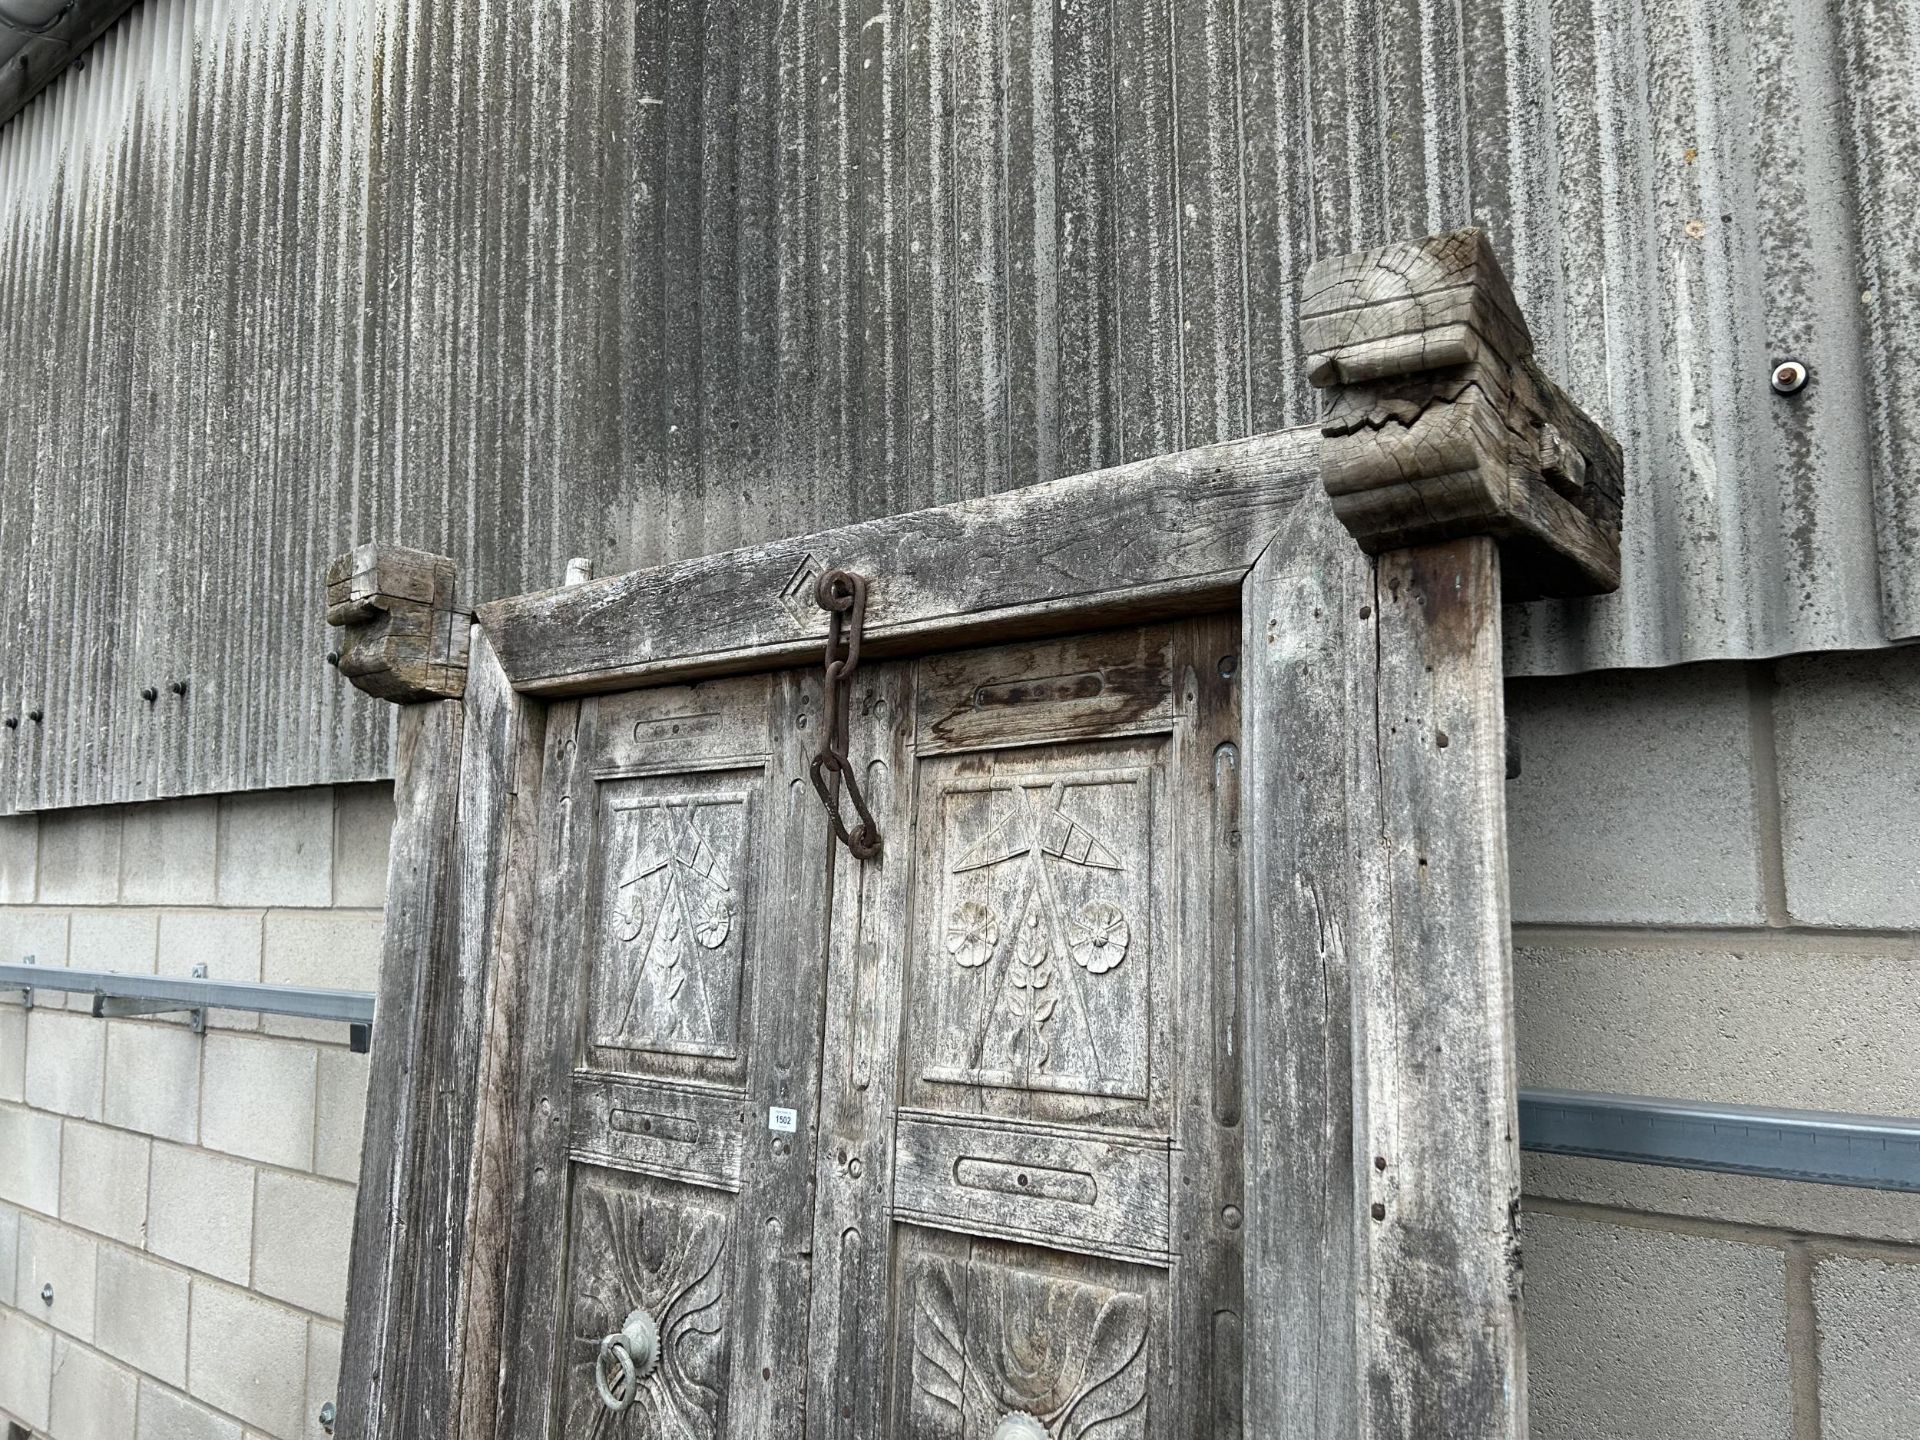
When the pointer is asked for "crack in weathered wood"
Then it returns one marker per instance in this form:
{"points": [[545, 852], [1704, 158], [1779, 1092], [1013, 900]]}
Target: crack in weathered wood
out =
{"points": [[1441, 425]]}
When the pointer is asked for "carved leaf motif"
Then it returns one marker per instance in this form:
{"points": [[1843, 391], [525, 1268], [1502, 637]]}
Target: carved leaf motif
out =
{"points": [[1098, 937], [939, 1340], [1112, 1384], [973, 930]]}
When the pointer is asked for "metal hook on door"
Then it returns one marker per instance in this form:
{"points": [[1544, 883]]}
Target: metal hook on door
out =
{"points": [[843, 595]]}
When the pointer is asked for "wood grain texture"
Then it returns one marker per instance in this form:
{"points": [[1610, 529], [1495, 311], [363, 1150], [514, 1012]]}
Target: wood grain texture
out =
{"points": [[1382, 1259], [404, 632], [1441, 424], [500, 775], [1172, 534], [430, 1244], [1308, 642], [1442, 1345], [382, 1392]]}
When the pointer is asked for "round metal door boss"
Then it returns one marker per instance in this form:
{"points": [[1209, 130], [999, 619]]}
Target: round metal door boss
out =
{"points": [[634, 1353], [1789, 376], [1018, 1425]]}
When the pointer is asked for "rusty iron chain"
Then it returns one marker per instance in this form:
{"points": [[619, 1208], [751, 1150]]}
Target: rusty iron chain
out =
{"points": [[843, 595]]}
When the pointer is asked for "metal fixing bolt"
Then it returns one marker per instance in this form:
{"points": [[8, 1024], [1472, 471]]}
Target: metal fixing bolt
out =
{"points": [[46, 1292], [1789, 376], [178, 687], [149, 694], [327, 1416]]}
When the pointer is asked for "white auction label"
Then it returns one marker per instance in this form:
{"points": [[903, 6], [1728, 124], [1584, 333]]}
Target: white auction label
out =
{"points": [[782, 1119]]}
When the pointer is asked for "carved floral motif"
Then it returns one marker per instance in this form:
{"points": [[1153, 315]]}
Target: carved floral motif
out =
{"points": [[1097, 937], [672, 903], [1034, 833], [634, 1248], [972, 932]]}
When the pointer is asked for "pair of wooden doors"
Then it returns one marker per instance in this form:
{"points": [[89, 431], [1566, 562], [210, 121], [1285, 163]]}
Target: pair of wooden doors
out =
{"points": [[1159, 1068], [940, 1144]]}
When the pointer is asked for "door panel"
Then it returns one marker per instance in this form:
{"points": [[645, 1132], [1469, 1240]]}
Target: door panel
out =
{"points": [[1044, 1200], [689, 939]]}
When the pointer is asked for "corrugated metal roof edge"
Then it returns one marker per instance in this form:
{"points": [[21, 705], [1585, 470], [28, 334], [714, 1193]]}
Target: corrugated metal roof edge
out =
{"points": [[35, 65]]}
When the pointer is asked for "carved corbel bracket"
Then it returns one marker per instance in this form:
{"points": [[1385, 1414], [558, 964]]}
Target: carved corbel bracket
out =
{"points": [[406, 635], [1439, 423]]}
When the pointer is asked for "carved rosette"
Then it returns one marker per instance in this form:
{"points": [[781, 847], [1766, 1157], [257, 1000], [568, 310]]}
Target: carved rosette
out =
{"points": [[1440, 425]]}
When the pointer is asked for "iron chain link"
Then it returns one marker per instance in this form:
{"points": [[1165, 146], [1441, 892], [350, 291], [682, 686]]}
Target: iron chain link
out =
{"points": [[843, 595]]}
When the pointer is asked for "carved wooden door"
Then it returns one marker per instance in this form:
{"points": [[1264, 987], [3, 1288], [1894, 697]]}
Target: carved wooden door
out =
{"points": [[1028, 1214], [681, 929], [950, 1151]]}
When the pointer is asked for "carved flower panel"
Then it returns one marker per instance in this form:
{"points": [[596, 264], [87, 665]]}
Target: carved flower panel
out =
{"points": [[641, 1244], [672, 922], [1007, 1340], [1035, 968]]}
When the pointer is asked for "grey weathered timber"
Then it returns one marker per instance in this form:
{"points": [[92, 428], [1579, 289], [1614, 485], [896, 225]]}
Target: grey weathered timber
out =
{"points": [[1168, 535], [672, 1001], [421, 1346], [1156, 1077], [381, 1385], [471, 1135], [1440, 424], [1309, 644], [405, 633], [1435, 1105]]}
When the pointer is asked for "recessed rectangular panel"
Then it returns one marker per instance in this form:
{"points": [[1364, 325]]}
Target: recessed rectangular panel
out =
{"points": [[1119, 682], [676, 1131], [639, 1244], [986, 1330], [672, 909], [1034, 965], [1101, 1194]]}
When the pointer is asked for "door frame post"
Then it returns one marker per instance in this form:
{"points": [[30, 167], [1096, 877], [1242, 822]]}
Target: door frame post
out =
{"points": [[420, 1354], [1383, 1161]]}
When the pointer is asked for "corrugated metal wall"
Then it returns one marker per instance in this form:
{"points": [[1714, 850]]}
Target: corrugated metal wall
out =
{"points": [[639, 280]]}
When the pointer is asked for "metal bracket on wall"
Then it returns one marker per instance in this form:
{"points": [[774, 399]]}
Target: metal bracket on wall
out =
{"points": [[1874, 1152], [115, 994]]}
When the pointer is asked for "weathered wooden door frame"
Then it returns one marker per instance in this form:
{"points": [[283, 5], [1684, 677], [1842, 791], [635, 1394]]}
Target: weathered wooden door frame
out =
{"points": [[1382, 1167]]}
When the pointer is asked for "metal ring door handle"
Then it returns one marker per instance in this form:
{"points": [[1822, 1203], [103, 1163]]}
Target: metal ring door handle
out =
{"points": [[634, 1350]]}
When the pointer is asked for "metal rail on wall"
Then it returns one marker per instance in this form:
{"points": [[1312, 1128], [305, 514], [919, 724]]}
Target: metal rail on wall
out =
{"points": [[1866, 1151], [119, 995]]}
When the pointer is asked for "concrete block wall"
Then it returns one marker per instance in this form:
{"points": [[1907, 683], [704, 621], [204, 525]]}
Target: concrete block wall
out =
{"points": [[188, 1198], [1716, 894]]}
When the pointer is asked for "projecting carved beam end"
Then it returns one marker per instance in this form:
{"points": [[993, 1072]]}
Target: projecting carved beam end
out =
{"points": [[1439, 423], [406, 635]]}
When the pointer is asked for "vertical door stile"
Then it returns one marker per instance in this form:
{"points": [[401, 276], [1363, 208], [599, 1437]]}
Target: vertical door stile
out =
{"points": [[549, 1006], [859, 1065], [783, 1073], [1206, 1191]]}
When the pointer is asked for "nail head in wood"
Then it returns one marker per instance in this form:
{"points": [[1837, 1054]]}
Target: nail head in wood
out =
{"points": [[1440, 425], [405, 635]]}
